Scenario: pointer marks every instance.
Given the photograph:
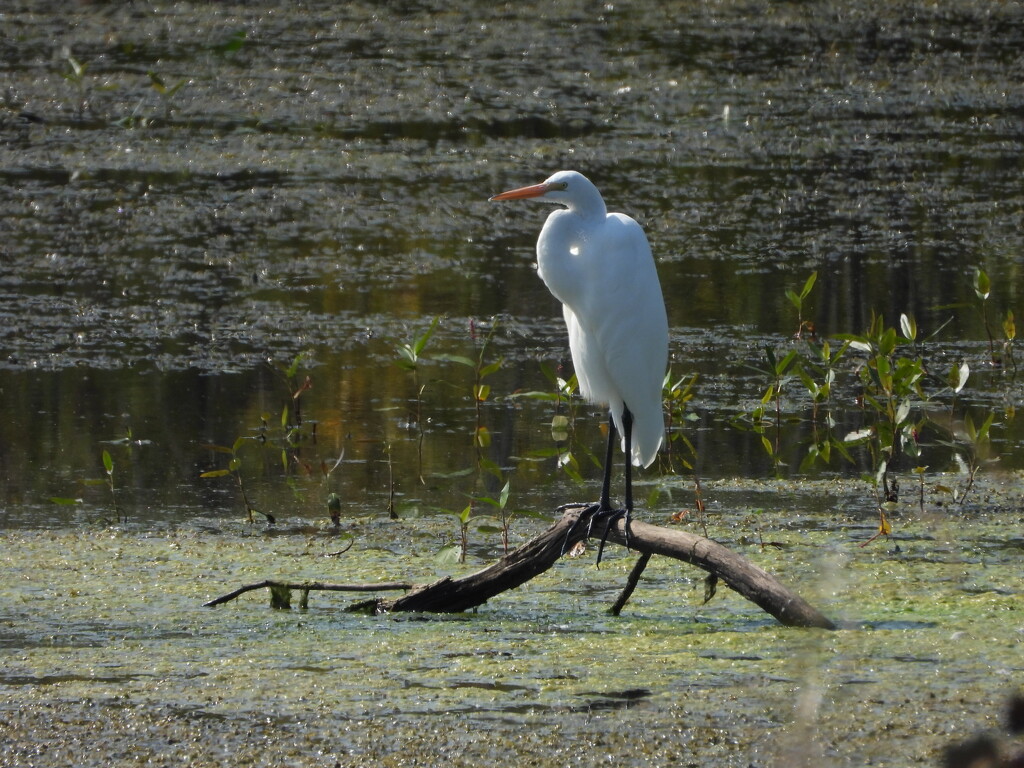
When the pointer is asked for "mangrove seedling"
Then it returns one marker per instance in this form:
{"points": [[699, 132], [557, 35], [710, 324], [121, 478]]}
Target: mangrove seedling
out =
{"points": [[978, 447], [890, 384], [818, 375], [676, 398], [291, 419], [563, 423], [234, 469], [797, 300], [766, 418], [505, 515], [74, 73], [481, 390], [1009, 333], [108, 468], [458, 551], [410, 355], [983, 289], [166, 91]]}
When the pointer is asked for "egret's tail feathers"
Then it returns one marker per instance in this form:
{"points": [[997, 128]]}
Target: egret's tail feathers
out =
{"points": [[648, 433]]}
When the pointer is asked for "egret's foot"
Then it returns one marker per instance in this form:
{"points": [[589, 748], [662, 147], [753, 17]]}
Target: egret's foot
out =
{"points": [[590, 515], [587, 517], [575, 505], [613, 515]]}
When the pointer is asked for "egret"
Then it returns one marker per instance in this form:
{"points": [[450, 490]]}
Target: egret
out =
{"points": [[599, 265]]}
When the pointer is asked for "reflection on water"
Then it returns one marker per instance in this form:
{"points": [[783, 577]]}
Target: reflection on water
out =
{"points": [[318, 184]]}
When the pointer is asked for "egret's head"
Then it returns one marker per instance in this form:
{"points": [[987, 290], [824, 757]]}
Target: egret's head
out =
{"points": [[569, 188]]}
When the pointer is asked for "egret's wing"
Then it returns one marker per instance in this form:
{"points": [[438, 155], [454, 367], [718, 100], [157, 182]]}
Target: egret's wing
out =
{"points": [[629, 329]]}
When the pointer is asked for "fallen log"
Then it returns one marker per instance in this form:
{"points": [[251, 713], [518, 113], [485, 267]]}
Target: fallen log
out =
{"points": [[452, 595]]}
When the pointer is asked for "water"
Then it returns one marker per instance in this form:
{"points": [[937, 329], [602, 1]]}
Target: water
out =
{"points": [[315, 183], [208, 191]]}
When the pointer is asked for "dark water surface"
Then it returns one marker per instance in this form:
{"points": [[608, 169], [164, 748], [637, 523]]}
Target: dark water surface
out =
{"points": [[195, 195], [314, 181]]}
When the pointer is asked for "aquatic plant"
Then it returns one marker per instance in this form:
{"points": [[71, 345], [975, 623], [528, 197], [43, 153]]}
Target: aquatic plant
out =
{"points": [[457, 552], [976, 443], [817, 372], [74, 72], [982, 285], [234, 470], [797, 300], [108, 467], [676, 398], [890, 384], [814, 364], [296, 384], [481, 390], [108, 481], [410, 353], [1010, 334], [167, 92], [563, 421], [505, 514], [983, 289], [232, 44], [128, 442], [896, 395], [410, 356], [296, 430], [765, 419]]}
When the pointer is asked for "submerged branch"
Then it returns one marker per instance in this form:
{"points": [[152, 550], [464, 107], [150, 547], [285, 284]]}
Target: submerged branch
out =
{"points": [[631, 582], [309, 587]]}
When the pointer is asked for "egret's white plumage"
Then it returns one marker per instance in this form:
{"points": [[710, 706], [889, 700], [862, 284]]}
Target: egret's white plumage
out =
{"points": [[599, 265]]}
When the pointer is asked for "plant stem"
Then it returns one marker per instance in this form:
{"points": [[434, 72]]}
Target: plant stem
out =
{"points": [[392, 513]]}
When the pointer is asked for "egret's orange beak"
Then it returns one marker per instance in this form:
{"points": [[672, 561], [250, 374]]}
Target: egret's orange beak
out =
{"points": [[537, 190]]}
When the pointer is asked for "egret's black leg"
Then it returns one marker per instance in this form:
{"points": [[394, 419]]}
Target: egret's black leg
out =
{"points": [[609, 454], [593, 511], [619, 514], [627, 423]]}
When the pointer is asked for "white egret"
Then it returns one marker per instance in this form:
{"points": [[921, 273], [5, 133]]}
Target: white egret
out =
{"points": [[599, 265]]}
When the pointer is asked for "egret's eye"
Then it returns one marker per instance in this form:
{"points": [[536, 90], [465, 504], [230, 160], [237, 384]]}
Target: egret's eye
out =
{"points": [[562, 185]]}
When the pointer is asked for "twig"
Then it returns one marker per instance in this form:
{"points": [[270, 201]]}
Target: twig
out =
{"points": [[631, 582], [312, 586]]}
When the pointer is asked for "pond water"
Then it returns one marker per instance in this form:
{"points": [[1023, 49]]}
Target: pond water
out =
{"points": [[211, 208]]}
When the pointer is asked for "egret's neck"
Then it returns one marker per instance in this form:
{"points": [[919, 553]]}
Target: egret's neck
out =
{"points": [[561, 252], [567, 241], [587, 203]]}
